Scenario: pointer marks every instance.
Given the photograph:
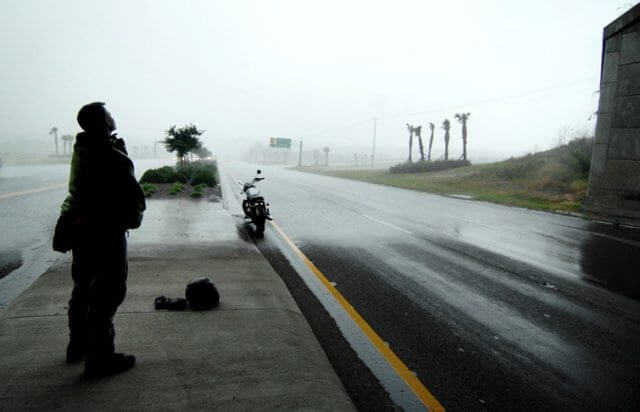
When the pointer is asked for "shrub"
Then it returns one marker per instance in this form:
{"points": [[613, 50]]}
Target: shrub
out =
{"points": [[423, 167], [176, 188], [200, 172], [186, 171], [149, 189], [165, 174], [577, 156], [196, 194], [204, 176]]}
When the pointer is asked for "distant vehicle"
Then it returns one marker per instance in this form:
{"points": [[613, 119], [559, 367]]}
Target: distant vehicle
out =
{"points": [[254, 206]]}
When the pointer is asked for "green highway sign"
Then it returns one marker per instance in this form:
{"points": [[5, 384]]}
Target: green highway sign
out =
{"points": [[280, 142]]}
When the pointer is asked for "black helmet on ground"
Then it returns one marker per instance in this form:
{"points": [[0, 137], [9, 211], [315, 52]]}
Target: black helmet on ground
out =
{"points": [[202, 294]]}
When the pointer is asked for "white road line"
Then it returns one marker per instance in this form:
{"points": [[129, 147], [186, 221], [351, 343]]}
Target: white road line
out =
{"points": [[387, 224]]}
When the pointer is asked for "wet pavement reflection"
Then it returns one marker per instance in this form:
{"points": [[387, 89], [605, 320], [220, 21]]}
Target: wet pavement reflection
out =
{"points": [[610, 258], [508, 305]]}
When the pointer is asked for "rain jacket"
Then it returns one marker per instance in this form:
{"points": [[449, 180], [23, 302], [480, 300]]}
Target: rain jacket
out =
{"points": [[103, 190]]}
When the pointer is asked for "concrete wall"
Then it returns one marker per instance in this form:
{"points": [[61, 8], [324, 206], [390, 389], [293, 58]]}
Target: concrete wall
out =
{"points": [[614, 181]]}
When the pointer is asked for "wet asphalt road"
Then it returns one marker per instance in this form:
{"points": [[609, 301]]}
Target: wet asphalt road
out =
{"points": [[27, 221], [494, 308]]}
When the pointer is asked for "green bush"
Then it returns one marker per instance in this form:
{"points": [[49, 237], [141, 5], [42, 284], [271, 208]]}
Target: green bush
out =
{"points": [[194, 173], [422, 167], [186, 171], [149, 189], [196, 194], [176, 188], [200, 172], [204, 176], [165, 174]]}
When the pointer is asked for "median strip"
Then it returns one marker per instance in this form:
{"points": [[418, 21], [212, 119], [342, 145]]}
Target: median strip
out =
{"points": [[421, 392]]}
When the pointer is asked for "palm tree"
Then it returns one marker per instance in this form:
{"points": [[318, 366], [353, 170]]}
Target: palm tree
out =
{"points": [[54, 131], [462, 118], [410, 128], [432, 127], [446, 125], [67, 139], [418, 131]]}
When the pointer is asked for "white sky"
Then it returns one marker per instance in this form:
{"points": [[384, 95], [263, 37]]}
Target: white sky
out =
{"points": [[247, 70]]}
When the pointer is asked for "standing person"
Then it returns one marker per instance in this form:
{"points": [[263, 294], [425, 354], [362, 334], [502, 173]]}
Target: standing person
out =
{"points": [[105, 200]]}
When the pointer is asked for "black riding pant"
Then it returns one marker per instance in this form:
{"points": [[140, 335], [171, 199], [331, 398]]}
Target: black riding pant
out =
{"points": [[99, 272]]}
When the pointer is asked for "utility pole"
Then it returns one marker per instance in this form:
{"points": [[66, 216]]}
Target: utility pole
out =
{"points": [[373, 155], [300, 155]]}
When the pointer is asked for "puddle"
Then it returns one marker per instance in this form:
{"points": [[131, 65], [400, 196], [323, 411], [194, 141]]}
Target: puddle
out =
{"points": [[465, 197], [35, 261]]}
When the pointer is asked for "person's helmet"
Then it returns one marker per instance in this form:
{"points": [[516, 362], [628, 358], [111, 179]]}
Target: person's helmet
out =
{"points": [[202, 294]]}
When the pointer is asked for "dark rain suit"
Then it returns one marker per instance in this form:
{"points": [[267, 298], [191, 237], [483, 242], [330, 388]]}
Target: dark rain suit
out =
{"points": [[104, 201]]}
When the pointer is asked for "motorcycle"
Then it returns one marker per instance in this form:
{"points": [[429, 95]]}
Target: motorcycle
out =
{"points": [[254, 206]]}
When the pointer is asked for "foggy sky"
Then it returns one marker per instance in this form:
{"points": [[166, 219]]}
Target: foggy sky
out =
{"points": [[247, 70]]}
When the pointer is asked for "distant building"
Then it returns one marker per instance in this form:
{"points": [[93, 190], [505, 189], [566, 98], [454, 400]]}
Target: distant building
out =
{"points": [[614, 180]]}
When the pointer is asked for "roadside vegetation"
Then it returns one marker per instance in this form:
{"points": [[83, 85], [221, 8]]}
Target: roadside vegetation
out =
{"points": [[428, 166], [195, 178], [194, 174], [552, 180]]}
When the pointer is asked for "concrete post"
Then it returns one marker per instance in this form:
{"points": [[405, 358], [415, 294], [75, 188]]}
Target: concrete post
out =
{"points": [[614, 179]]}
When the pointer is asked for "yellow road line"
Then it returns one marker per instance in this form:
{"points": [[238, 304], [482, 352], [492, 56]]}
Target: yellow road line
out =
{"points": [[4, 196], [401, 369]]}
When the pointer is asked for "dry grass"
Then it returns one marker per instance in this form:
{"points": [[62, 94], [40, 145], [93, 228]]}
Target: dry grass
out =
{"points": [[540, 181]]}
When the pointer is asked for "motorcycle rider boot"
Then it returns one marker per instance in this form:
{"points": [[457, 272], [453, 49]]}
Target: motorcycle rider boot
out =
{"points": [[98, 366]]}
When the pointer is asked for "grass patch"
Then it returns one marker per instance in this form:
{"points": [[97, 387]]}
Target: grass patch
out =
{"points": [[421, 167], [542, 181]]}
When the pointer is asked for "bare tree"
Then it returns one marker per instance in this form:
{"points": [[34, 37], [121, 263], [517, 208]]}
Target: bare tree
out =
{"points": [[462, 118], [432, 127], [410, 128], [54, 132], [418, 131], [446, 125]]}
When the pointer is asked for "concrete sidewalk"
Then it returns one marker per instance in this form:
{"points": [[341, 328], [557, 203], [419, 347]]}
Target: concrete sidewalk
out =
{"points": [[255, 351]]}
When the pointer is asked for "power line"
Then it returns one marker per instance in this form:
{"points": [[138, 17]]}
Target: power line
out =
{"points": [[495, 99], [457, 106]]}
